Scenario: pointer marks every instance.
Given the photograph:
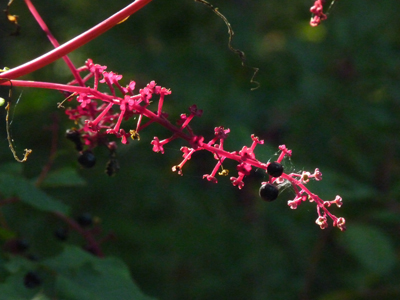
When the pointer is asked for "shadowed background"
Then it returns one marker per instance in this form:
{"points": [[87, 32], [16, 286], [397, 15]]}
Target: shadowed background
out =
{"points": [[330, 93]]}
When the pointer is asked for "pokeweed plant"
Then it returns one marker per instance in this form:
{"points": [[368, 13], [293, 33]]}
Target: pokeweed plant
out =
{"points": [[99, 115], [97, 118]]}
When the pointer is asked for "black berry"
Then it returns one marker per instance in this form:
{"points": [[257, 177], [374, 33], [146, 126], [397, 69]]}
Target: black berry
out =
{"points": [[87, 159], [32, 280], [269, 192], [22, 245], [85, 220], [74, 136], [275, 169], [61, 234]]}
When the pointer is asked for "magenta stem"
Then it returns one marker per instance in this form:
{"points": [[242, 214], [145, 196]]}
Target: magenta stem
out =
{"points": [[75, 43], [53, 40]]}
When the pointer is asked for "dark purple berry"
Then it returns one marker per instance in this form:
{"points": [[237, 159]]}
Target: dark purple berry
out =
{"points": [[275, 169], [87, 159], [22, 245], [269, 192], [74, 136], [32, 280], [61, 233], [85, 220]]}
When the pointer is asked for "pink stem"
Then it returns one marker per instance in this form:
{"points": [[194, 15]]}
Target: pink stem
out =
{"points": [[320, 203], [53, 40], [142, 111], [75, 43]]}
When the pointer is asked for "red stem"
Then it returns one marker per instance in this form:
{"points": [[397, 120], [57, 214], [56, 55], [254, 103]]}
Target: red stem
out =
{"points": [[75, 43], [86, 234], [53, 40]]}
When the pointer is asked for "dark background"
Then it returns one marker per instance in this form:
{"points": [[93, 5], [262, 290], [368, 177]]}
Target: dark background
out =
{"points": [[331, 94]]}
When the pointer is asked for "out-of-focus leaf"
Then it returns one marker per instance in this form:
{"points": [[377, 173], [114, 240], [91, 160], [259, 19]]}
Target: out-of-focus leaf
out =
{"points": [[63, 178], [11, 168], [339, 295], [13, 288], [6, 234], [387, 216], [18, 264], [83, 276], [40, 297], [370, 246], [12, 186]]}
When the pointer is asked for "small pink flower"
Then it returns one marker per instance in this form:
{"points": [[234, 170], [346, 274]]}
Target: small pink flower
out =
{"points": [[94, 68], [197, 112], [157, 146], [177, 169], [197, 141], [187, 152], [221, 133], [210, 178], [317, 175], [246, 153], [338, 201], [322, 222], [237, 182], [83, 99], [340, 223], [130, 88], [293, 204], [182, 119], [244, 169], [110, 77], [305, 177], [318, 14]]}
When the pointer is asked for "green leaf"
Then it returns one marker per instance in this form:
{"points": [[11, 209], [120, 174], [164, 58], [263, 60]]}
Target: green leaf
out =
{"points": [[83, 276], [12, 186], [6, 234], [13, 288], [40, 296], [11, 168], [371, 247], [63, 178], [19, 264]]}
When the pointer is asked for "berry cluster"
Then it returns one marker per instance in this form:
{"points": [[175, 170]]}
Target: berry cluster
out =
{"points": [[269, 190], [84, 224], [19, 246]]}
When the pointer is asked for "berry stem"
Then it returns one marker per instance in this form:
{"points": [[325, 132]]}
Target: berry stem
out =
{"points": [[86, 234]]}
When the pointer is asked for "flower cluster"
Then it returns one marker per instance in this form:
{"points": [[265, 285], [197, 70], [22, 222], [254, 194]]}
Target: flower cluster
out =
{"points": [[99, 119], [269, 190], [99, 114], [317, 11]]}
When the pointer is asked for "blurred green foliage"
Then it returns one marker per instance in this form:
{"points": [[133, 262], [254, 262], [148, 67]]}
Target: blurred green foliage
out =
{"points": [[330, 93]]}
